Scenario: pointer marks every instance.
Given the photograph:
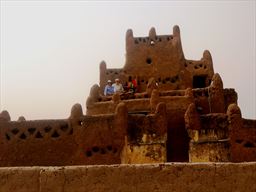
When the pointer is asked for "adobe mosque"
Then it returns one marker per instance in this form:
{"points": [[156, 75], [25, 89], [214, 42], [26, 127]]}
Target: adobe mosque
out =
{"points": [[179, 112]]}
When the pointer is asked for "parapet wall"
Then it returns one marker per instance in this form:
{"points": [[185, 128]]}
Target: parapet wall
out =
{"points": [[78, 140], [242, 136], [200, 177], [145, 54], [32, 142]]}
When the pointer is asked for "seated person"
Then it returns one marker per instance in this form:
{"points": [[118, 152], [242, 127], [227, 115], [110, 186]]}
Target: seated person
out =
{"points": [[118, 87], [109, 89]]}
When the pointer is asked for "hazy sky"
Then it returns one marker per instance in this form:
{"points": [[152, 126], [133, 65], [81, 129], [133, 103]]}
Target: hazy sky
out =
{"points": [[50, 51]]}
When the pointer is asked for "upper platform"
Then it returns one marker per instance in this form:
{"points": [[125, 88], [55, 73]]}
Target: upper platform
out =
{"points": [[160, 57]]}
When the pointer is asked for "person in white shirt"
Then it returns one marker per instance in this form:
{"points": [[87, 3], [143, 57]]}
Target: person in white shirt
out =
{"points": [[118, 87]]}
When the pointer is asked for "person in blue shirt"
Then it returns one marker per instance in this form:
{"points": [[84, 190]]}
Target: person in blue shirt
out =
{"points": [[109, 89]]}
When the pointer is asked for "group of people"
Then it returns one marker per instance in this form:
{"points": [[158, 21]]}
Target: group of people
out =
{"points": [[117, 87], [110, 89]]}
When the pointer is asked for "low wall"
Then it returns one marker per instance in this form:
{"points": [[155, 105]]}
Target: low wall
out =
{"points": [[79, 140], [206, 177], [243, 141]]}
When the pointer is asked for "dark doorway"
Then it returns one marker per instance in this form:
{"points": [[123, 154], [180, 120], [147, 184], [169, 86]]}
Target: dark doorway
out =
{"points": [[199, 81], [177, 139]]}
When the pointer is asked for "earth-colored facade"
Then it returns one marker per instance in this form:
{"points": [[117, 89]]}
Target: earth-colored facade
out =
{"points": [[180, 112]]}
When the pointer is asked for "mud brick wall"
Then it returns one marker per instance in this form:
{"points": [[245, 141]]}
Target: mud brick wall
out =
{"points": [[230, 96], [244, 142], [79, 140], [160, 57], [242, 135], [109, 107], [40, 142], [146, 137], [203, 177], [209, 136]]}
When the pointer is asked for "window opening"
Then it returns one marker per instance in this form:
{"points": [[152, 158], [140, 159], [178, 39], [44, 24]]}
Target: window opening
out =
{"points": [[199, 81]]}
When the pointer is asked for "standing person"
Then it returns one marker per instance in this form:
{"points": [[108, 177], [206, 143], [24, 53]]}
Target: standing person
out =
{"points": [[109, 89], [118, 87], [132, 85]]}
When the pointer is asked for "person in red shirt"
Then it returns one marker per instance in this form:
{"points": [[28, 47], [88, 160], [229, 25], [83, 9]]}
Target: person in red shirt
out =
{"points": [[132, 85]]}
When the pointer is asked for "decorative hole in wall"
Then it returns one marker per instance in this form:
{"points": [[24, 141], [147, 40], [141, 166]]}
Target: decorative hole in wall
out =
{"points": [[47, 129], [38, 135], [23, 136], [173, 80], [139, 39], [7, 137], [248, 144], [109, 147], [55, 134], [15, 131], [64, 127], [159, 39], [195, 67], [185, 64], [199, 81], [144, 40], [136, 42], [31, 130], [95, 149], [116, 73], [205, 67], [168, 39], [171, 37], [149, 60], [88, 153]]}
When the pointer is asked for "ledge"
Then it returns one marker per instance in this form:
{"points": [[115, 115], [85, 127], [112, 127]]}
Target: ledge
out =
{"points": [[147, 177]]}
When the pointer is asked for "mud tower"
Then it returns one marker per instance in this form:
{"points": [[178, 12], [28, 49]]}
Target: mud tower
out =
{"points": [[180, 112]]}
